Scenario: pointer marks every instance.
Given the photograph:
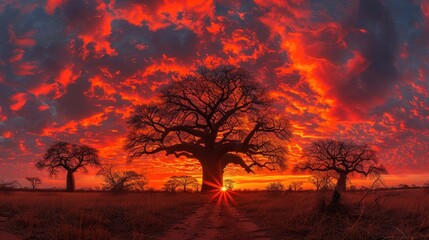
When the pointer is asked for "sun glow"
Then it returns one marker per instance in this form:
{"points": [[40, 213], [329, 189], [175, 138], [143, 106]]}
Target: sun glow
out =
{"points": [[223, 189]]}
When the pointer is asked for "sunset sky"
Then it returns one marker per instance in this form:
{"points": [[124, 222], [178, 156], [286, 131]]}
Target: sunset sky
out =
{"points": [[72, 70]]}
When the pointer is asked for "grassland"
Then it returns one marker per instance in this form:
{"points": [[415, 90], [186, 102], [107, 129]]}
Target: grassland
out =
{"points": [[98, 216], [400, 214]]}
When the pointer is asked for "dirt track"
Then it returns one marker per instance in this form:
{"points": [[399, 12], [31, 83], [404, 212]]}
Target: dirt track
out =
{"points": [[7, 235], [215, 221]]}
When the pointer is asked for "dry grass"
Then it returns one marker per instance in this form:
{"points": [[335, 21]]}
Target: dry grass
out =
{"points": [[400, 214], [94, 215]]}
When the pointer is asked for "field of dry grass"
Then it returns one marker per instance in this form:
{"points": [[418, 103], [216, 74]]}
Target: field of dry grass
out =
{"points": [[402, 214], [98, 216]]}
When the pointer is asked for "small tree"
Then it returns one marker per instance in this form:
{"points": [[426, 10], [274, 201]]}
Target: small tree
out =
{"points": [[321, 181], [342, 158], [171, 185], [121, 181], [295, 185], [70, 157], [426, 184], [228, 184], [7, 186], [275, 186], [185, 182], [34, 181]]}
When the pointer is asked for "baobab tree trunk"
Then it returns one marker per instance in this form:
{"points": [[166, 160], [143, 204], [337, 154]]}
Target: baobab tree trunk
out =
{"points": [[339, 189], [70, 181], [212, 175]]}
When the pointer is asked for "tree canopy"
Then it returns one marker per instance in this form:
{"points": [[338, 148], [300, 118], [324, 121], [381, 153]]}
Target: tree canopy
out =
{"points": [[70, 157], [217, 116]]}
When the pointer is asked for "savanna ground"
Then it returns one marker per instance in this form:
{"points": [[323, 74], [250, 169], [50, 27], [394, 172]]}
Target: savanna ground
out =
{"points": [[393, 214]]}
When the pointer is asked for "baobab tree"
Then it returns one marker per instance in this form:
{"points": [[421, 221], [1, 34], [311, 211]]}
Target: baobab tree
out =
{"points": [[121, 181], [217, 116], [186, 182], [34, 181], [171, 185], [343, 158], [71, 158]]}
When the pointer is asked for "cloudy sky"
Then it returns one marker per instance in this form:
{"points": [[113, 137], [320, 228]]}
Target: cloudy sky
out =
{"points": [[73, 70]]}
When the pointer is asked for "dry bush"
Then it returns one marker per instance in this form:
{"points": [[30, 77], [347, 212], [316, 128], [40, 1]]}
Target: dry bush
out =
{"points": [[39, 215], [400, 214]]}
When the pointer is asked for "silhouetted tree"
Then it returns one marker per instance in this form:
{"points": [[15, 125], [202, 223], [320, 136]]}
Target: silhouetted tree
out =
{"points": [[7, 186], [216, 116], [228, 184], [70, 157], [121, 181], [171, 185], [185, 182], [426, 184], [196, 186], [342, 158], [321, 180], [34, 181], [275, 186], [295, 186]]}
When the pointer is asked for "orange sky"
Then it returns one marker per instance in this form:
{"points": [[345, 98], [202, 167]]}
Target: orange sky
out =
{"points": [[73, 71]]}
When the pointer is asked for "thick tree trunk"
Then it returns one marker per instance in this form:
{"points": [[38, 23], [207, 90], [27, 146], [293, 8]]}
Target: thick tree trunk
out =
{"points": [[339, 189], [212, 176], [70, 182]]}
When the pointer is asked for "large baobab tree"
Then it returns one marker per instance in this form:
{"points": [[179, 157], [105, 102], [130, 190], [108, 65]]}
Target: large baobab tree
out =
{"points": [[70, 157], [343, 158], [216, 116], [34, 181]]}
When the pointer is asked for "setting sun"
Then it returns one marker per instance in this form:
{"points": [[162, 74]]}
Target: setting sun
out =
{"points": [[223, 189]]}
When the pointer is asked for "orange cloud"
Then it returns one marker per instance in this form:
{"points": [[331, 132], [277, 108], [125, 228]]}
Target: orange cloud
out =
{"points": [[18, 101]]}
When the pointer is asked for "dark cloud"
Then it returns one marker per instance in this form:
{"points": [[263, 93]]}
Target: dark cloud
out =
{"points": [[373, 34]]}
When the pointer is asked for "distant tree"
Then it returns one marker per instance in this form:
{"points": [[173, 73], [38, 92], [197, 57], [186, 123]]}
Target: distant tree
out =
{"points": [[321, 181], [295, 185], [186, 182], [7, 186], [229, 184], [171, 185], [275, 186], [403, 186], [196, 186], [34, 181], [426, 184], [342, 158], [217, 116], [70, 157], [121, 181]]}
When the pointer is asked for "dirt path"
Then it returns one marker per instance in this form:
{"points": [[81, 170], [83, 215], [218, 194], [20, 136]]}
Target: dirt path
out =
{"points": [[215, 221], [7, 235]]}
